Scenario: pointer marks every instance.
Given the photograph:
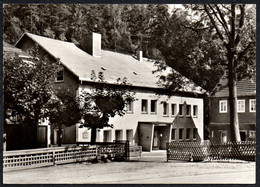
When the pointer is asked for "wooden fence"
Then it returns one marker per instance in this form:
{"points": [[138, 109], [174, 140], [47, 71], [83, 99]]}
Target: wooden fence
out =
{"points": [[22, 159], [31, 158], [119, 146], [199, 151]]}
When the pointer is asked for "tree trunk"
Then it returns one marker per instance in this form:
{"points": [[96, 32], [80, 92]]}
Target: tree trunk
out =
{"points": [[232, 80], [234, 124], [232, 84], [93, 136]]}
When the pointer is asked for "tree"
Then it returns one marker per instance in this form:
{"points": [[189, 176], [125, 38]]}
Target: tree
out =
{"points": [[64, 111], [104, 102], [192, 53], [27, 89], [207, 42], [235, 26]]}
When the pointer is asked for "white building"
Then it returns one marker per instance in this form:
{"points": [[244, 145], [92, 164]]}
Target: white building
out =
{"points": [[151, 120]]}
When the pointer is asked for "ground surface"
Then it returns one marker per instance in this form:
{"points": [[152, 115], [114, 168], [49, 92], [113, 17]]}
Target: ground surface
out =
{"points": [[150, 168]]}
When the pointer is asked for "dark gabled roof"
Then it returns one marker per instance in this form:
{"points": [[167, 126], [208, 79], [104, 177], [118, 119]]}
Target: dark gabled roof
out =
{"points": [[114, 65], [8, 48], [245, 87]]}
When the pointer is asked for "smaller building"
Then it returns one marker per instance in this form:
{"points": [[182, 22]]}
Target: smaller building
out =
{"points": [[219, 115]]}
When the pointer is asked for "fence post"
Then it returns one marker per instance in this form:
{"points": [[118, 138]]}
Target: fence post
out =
{"points": [[53, 158], [127, 150], [97, 152]]}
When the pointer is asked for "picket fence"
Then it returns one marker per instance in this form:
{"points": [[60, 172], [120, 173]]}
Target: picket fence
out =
{"points": [[31, 158], [199, 151]]}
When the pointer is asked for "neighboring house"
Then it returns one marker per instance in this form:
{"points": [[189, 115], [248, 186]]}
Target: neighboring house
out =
{"points": [[150, 121], [246, 106], [17, 135]]}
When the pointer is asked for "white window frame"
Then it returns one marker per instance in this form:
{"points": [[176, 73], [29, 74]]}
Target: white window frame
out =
{"points": [[109, 135], [182, 110], [129, 107], [166, 109], [224, 102], [194, 133], [121, 134], [146, 107], [222, 133], [195, 109], [188, 114], [250, 132], [188, 133], [250, 105], [243, 109], [175, 132], [132, 137], [174, 106]]}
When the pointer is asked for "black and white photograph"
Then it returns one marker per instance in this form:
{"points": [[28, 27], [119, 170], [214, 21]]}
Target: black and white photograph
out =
{"points": [[129, 93]]}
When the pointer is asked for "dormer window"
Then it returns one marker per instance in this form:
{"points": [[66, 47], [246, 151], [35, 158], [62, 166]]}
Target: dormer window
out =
{"points": [[60, 76]]}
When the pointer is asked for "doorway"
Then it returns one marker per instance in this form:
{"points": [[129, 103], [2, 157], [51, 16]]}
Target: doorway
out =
{"points": [[42, 136], [160, 136]]}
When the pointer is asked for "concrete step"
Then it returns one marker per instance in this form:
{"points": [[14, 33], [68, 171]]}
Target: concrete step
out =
{"points": [[156, 153]]}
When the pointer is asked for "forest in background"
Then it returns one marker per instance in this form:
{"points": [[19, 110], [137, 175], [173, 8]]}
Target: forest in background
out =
{"points": [[181, 39]]}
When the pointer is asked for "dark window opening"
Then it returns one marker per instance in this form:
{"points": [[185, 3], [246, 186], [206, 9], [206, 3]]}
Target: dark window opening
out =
{"points": [[59, 76], [144, 106], [153, 106]]}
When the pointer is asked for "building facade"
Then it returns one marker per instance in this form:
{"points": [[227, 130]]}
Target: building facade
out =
{"points": [[220, 112], [151, 120]]}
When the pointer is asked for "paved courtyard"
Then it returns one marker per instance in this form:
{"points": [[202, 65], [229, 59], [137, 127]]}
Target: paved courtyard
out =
{"points": [[150, 168]]}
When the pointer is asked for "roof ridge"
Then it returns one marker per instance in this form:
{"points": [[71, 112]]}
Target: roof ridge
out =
{"points": [[49, 38]]}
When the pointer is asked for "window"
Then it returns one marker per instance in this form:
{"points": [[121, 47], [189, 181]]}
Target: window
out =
{"points": [[195, 132], [107, 136], [180, 109], [243, 135], [174, 109], [144, 106], [129, 136], [240, 105], [119, 134], [188, 131], [173, 134], [223, 136], [153, 106], [195, 111], [129, 106], [165, 108], [188, 110], [252, 135], [252, 105], [223, 106], [59, 76], [180, 134]]}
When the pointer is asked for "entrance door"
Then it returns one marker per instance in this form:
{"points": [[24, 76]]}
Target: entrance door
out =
{"points": [[42, 136]]}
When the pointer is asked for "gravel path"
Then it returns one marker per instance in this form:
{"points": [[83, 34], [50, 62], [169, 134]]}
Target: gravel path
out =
{"points": [[147, 169], [135, 172]]}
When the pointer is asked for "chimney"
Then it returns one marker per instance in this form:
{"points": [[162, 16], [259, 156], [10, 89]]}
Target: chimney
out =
{"points": [[94, 44], [140, 56]]}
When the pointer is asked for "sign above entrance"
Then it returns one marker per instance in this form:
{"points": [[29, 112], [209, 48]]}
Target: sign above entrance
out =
{"points": [[161, 124]]}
